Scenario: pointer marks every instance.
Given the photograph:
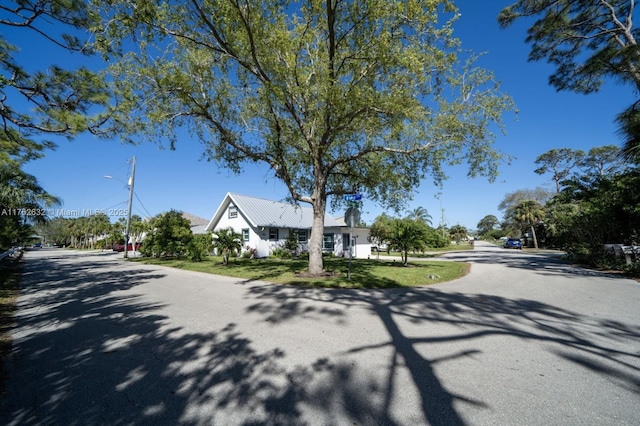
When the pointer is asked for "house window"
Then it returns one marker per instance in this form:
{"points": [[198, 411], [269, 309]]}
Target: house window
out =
{"points": [[302, 235], [327, 242], [273, 233], [233, 212], [245, 234]]}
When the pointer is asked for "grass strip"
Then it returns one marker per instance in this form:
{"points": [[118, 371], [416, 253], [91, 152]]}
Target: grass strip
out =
{"points": [[364, 273]]}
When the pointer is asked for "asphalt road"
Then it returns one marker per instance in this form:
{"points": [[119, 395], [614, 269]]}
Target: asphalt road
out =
{"points": [[523, 339]]}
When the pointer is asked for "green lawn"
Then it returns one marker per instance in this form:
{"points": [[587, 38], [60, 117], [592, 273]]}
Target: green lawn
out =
{"points": [[429, 252], [364, 273]]}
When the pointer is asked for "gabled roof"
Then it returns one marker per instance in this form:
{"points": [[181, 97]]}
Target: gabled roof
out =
{"points": [[260, 212], [194, 220]]}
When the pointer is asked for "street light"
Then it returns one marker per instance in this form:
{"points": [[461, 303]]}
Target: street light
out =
{"points": [[130, 184]]}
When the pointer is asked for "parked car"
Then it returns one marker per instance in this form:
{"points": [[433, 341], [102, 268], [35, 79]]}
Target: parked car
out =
{"points": [[513, 243], [120, 247], [379, 247], [37, 245]]}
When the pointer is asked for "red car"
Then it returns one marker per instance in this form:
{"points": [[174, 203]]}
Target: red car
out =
{"points": [[120, 247]]}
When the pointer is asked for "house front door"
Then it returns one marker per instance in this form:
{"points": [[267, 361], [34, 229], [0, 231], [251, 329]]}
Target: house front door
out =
{"points": [[346, 246]]}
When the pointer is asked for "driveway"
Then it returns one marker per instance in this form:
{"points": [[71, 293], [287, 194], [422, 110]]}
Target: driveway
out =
{"points": [[523, 339]]}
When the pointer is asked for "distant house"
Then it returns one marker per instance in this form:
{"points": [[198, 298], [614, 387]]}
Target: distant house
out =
{"points": [[265, 225], [197, 224]]}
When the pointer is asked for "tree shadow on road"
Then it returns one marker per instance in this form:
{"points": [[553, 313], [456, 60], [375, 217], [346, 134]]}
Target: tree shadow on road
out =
{"points": [[457, 322], [541, 263], [91, 350]]}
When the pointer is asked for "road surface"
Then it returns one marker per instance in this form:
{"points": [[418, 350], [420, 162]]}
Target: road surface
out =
{"points": [[523, 339]]}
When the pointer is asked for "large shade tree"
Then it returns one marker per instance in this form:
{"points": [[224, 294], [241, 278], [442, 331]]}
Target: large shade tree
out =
{"points": [[587, 41], [487, 224], [334, 96], [559, 163]]}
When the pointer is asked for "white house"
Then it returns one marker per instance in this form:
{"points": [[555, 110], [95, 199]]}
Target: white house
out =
{"points": [[265, 225]]}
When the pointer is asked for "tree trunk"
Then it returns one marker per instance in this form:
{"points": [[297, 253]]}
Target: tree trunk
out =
{"points": [[316, 266], [535, 240]]}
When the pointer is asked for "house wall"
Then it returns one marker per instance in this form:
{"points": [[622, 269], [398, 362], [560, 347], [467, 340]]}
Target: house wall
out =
{"points": [[239, 223], [362, 247], [265, 245], [258, 236]]}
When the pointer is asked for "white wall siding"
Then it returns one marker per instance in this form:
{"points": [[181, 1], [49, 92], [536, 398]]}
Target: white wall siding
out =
{"points": [[362, 247]]}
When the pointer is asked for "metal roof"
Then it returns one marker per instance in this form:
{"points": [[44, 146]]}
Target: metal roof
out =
{"points": [[260, 212]]}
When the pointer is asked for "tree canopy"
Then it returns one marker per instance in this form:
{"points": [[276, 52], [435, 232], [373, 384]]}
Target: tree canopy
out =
{"points": [[334, 96], [487, 224], [39, 101], [55, 100], [559, 162], [587, 41]]}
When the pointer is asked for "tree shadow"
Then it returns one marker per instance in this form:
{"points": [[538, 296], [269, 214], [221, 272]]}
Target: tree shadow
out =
{"points": [[88, 349], [462, 322], [540, 263]]}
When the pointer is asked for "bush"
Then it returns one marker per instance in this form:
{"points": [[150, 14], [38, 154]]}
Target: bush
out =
{"points": [[200, 247], [280, 253], [434, 239]]}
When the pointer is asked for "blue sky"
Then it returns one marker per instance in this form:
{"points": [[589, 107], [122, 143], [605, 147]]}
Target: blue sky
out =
{"points": [[180, 180]]}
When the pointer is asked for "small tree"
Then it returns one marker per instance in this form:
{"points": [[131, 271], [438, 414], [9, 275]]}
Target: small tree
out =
{"points": [[380, 230], [435, 239], [458, 233], [407, 234], [291, 243], [200, 247], [227, 241]]}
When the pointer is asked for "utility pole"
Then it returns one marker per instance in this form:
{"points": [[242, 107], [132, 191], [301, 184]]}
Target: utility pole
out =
{"points": [[128, 229]]}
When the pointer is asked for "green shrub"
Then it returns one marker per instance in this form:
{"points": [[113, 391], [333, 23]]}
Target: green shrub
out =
{"points": [[280, 253], [200, 247]]}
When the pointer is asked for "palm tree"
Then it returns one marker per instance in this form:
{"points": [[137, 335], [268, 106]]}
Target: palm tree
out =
{"points": [[20, 190], [458, 233], [420, 214], [137, 228], [100, 225], [629, 129], [226, 241], [529, 213]]}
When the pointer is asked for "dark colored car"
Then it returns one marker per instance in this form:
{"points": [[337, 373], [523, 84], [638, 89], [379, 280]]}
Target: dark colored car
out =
{"points": [[513, 243], [37, 245]]}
